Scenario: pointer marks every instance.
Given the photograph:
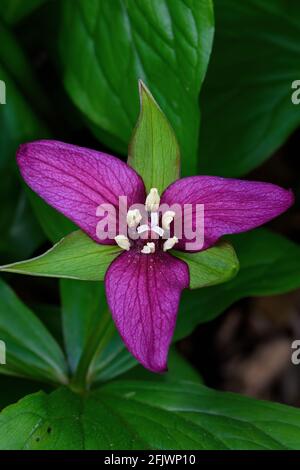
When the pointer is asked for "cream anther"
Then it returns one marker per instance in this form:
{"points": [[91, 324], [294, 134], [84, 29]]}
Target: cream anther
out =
{"points": [[123, 242], [167, 218], [133, 218], [170, 243], [152, 200], [148, 248]]}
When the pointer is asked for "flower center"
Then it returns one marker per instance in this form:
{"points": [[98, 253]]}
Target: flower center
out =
{"points": [[153, 230]]}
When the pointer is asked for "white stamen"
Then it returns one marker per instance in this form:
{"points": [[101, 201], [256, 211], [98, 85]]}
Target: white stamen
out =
{"points": [[154, 219], [133, 218], [167, 218], [158, 230], [152, 200], [142, 229], [154, 225], [170, 243], [149, 248], [123, 242]]}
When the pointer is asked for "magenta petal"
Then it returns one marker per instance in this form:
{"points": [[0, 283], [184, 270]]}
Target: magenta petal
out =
{"points": [[143, 293], [230, 205], [76, 180]]}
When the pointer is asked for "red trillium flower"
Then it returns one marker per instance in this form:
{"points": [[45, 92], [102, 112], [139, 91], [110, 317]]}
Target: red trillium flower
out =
{"points": [[144, 283]]}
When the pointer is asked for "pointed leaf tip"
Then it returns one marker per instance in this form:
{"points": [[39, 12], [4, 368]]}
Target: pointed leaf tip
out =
{"points": [[75, 256], [144, 90], [153, 150]]}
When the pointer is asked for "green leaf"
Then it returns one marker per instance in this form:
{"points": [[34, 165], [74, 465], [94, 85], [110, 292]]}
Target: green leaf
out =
{"points": [[13, 389], [54, 224], [16, 64], [148, 415], [247, 112], [213, 266], [17, 121], [20, 232], [166, 45], [153, 150], [30, 350], [111, 359], [13, 11], [86, 322], [269, 265], [76, 257], [50, 316], [18, 124], [82, 307]]}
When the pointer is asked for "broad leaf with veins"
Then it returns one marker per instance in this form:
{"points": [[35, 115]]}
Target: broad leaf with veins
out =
{"points": [[137, 415], [247, 111], [106, 46]]}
